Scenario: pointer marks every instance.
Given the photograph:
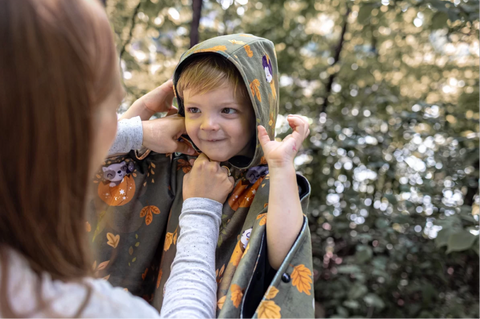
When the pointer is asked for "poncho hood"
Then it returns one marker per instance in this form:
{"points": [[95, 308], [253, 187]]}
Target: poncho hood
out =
{"points": [[256, 61]]}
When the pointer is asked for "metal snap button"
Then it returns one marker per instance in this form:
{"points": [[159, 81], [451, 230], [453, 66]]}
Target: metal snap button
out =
{"points": [[285, 277]]}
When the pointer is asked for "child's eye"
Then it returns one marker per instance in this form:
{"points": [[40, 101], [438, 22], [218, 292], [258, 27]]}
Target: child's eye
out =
{"points": [[229, 110], [193, 110]]}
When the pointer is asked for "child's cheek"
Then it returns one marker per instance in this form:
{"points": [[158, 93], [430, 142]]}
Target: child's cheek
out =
{"points": [[191, 130]]}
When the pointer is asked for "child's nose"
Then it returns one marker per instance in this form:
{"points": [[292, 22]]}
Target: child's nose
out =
{"points": [[209, 124]]}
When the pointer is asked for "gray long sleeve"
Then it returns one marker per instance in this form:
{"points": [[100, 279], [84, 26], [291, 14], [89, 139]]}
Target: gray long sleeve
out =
{"points": [[129, 136], [191, 290]]}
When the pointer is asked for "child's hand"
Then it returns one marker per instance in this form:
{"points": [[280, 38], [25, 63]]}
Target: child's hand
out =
{"points": [[281, 154], [208, 180]]}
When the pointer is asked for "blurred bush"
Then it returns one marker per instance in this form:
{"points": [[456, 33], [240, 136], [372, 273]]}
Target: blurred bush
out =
{"points": [[391, 91]]}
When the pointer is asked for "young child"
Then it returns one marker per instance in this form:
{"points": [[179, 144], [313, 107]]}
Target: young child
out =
{"points": [[225, 87]]}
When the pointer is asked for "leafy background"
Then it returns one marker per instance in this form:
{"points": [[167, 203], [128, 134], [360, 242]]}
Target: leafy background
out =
{"points": [[391, 91]]}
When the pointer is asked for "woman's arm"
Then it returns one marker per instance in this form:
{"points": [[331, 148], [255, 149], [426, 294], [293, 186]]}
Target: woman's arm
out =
{"points": [[191, 289], [129, 136], [160, 135]]}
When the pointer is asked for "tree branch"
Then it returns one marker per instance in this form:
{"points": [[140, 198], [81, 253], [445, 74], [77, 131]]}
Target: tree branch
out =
{"points": [[472, 189], [130, 33], [336, 57]]}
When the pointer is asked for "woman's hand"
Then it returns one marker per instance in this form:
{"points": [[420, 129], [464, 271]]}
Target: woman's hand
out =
{"points": [[281, 154], [158, 100], [208, 180], [161, 135]]}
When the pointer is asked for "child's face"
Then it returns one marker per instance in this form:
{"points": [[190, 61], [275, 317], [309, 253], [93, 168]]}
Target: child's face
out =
{"points": [[219, 125]]}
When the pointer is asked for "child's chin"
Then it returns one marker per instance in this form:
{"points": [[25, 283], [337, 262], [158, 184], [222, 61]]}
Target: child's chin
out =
{"points": [[217, 157]]}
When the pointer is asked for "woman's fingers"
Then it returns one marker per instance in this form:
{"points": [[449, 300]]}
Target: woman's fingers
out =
{"points": [[184, 148], [173, 110], [160, 99], [202, 159]]}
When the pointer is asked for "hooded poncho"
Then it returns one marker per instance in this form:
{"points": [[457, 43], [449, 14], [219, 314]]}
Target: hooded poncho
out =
{"points": [[134, 221]]}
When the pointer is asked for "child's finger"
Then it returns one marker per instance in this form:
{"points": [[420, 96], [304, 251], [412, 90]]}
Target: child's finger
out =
{"points": [[263, 135], [298, 125]]}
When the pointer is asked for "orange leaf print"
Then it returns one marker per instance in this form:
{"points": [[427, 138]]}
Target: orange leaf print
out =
{"points": [[94, 266], [271, 292], [246, 249], [214, 49], [148, 218], [263, 219], [168, 241], [268, 309], [247, 197], [302, 278], [184, 165], [113, 240], [220, 302], [237, 295], [159, 278], [219, 274], [270, 123], [248, 50], [236, 42], [148, 212], [103, 265], [175, 237], [235, 198], [272, 87], [237, 254], [144, 274], [106, 277], [255, 87], [88, 228]]}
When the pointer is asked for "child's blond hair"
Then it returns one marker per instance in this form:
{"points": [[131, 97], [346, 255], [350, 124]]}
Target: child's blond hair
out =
{"points": [[209, 72]]}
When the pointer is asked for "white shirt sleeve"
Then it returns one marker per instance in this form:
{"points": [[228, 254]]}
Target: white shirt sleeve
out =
{"points": [[191, 289], [129, 136]]}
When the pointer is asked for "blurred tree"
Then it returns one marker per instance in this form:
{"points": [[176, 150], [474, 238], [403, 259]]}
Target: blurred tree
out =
{"points": [[391, 91], [196, 14]]}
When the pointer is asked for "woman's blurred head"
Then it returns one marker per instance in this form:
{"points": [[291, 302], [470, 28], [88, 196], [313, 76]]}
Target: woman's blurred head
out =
{"points": [[59, 89]]}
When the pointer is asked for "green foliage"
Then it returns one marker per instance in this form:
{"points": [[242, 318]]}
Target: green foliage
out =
{"points": [[391, 90]]}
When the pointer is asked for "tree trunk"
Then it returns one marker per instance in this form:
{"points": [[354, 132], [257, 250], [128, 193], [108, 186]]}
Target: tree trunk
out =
{"points": [[336, 59], [196, 14]]}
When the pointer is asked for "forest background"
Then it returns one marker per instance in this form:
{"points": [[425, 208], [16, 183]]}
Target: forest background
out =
{"points": [[391, 90]]}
